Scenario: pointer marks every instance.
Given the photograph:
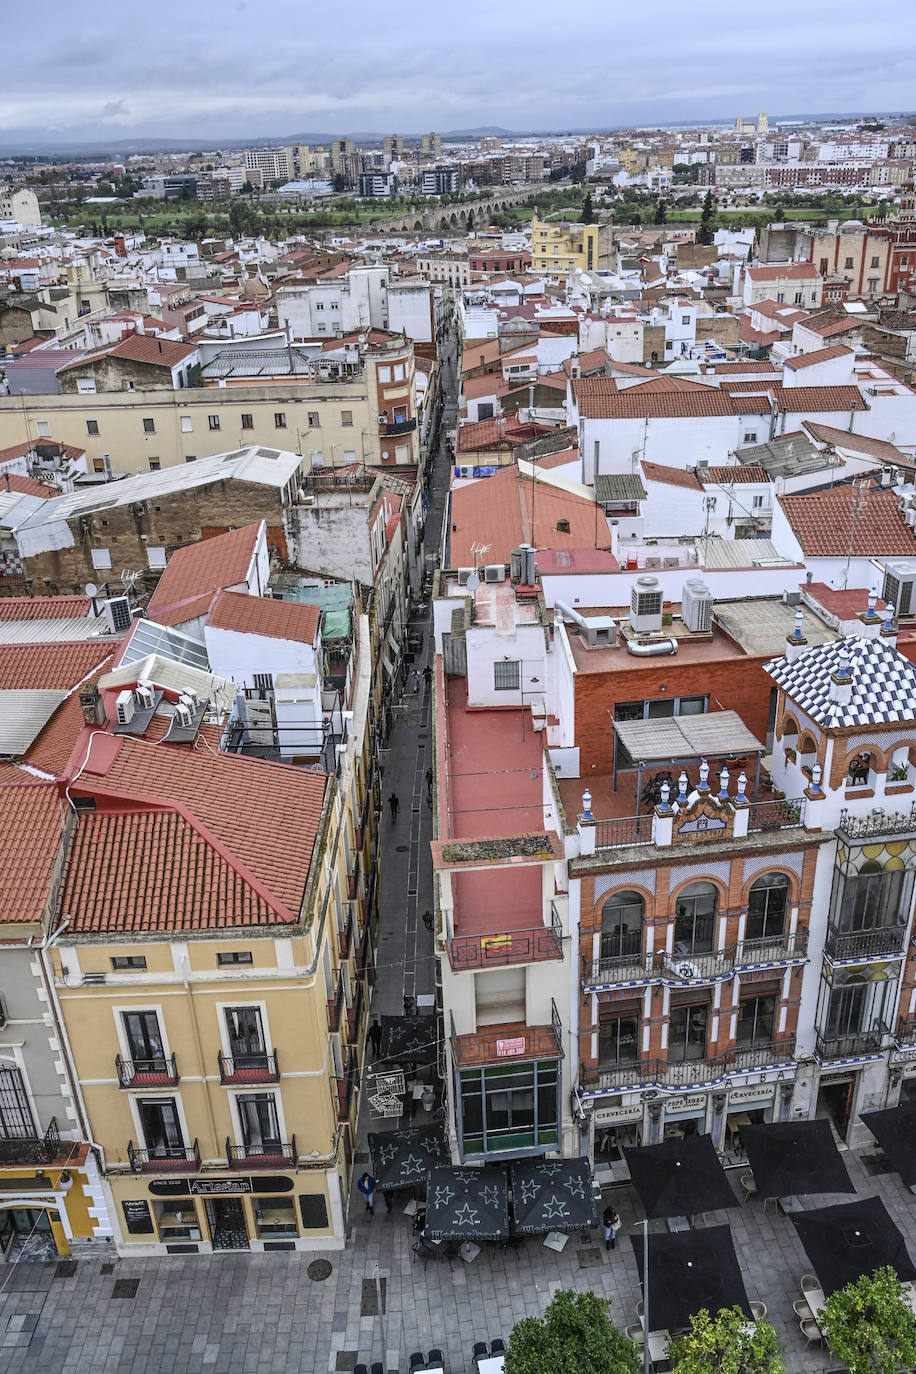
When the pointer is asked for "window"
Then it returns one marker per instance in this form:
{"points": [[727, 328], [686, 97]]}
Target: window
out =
{"points": [[314, 419], [319, 305], [398, 372], [85, 386], [213, 421], [154, 464], [92, 427], [618, 1035], [872, 285], [98, 465], [695, 919], [149, 426], [234, 956], [263, 683], [129, 961], [847, 265], [101, 558], [874, 262], [258, 1119], [44, 429], [275, 1216], [767, 903], [190, 457], [756, 1019], [247, 421], [798, 298], [246, 1037], [187, 424], [507, 675], [346, 418], [750, 438], [509, 1107], [155, 556], [757, 501], [177, 1220], [160, 1127], [621, 925], [384, 374], [279, 419], [685, 319], [126, 384], [15, 1114], [780, 297], [874, 898], [687, 1033], [143, 1039]]}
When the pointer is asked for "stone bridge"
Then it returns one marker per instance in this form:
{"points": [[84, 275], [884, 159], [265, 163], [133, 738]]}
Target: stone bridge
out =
{"points": [[454, 218]]}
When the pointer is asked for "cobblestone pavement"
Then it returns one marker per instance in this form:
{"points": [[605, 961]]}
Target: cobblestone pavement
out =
{"points": [[244, 1314]]}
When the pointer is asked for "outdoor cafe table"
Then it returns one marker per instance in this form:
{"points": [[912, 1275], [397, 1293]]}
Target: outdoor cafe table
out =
{"points": [[491, 1364], [658, 1346]]}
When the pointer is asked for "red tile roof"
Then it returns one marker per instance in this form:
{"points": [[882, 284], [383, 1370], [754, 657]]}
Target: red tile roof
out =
{"points": [[195, 573], [859, 443], [823, 523], [497, 511], [845, 603], [139, 348], [30, 821], [748, 472], [820, 355], [598, 398], [244, 809], [829, 322], [53, 667], [26, 486], [20, 451], [786, 271], [671, 477], [261, 615], [740, 369], [814, 398], [43, 607]]}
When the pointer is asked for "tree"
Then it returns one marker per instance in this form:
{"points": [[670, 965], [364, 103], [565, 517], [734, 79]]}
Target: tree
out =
{"points": [[870, 1326], [340, 181], [661, 212], [588, 209], [728, 1344], [577, 172], [244, 219], [574, 1336], [706, 230]]}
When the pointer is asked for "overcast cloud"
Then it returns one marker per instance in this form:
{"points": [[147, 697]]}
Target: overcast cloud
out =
{"points": [[231, 69]]}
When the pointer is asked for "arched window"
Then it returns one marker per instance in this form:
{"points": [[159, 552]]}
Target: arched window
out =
{"points": [[695, 919], [766, 907], [621, 925]]}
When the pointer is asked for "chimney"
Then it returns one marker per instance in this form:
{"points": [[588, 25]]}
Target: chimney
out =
{"points": [[869, 618], [796, 644], [841, 680]]}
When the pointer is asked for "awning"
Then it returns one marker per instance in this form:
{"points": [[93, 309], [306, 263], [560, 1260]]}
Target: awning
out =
{"points": [[467, 1204], [789, 1157], [851, 1239], [678, 1178], [403, 1159], [552, 1195], [717, 734], [411, 1038], [895, 1132], [690, 1270]]}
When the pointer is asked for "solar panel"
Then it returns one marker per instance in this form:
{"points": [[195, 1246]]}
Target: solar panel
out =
{"points": [[150, 638]]}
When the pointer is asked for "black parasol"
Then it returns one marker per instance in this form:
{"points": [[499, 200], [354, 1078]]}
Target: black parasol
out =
{"points": [[403, 1159], [895, 1132], [552, 1195], [690, 1270], [850, 1239], [467, 1204], [678, 1178], [788, 1157]]}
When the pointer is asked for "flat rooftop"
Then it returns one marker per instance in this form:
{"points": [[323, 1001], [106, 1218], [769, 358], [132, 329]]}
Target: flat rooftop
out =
{"points": [[760, 625]]}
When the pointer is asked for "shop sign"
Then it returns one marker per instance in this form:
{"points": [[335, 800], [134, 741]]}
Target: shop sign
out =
{"points": [[910, 1070], [183, 1187], [220, 1185], [607, 1115], [763, 1092], [137, 1217], [505, 1049], [695, 1103]]}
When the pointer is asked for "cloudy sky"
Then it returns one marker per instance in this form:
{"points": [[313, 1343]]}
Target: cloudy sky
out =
{"points": [[226, 69]]}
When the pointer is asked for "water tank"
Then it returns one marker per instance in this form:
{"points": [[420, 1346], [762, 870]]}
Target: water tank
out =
{"points": [[696, 606], [646, 605]]}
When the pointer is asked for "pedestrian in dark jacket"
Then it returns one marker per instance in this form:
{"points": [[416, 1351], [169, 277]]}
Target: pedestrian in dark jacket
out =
{"points": [[395, 804], [366, 1186], [374, 1036], [611, 1226]]}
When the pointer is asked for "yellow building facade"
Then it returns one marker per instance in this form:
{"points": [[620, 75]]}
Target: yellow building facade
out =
{"points": [[558, 247]]}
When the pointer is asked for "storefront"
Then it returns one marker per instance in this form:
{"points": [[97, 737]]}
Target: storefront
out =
{"points": [[750, 1105], [258, 1212], [44, 1211], [685, 1115]]}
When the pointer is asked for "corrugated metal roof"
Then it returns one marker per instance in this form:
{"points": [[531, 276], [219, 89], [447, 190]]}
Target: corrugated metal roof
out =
{"points": [[619, 486], [51, 631], [23, 716], [741, 553]]}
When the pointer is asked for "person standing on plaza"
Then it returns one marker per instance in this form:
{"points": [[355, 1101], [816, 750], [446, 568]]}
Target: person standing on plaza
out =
{"points": [[611, 1222], [395, 804], [374, 1036], [366, 1186]]}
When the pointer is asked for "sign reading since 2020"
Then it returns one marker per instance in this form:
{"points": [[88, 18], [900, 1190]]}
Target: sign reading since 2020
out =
{"points": [[507, 1049]]}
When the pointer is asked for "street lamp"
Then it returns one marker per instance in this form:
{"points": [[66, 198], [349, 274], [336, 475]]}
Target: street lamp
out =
{"points": [[646, 1362]]}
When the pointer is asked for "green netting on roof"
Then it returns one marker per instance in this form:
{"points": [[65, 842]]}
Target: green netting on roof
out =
{"points": [[336, 625]]}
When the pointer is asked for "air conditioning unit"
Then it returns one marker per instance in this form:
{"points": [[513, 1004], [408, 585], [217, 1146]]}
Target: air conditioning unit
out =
{"points": [[466, 471], [899, 579], [646, 605], [190, 698], [145, 695], [464, 576], [183, 715], [910, 517], [125, 706], [495, 572], [791, 598], [117, 612], [696, 606], [94, 978], [600, 632]]}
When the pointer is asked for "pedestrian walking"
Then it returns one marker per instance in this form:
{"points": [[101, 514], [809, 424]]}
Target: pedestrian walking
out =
{"points": [[415, 681], [611, 1223], [429, 785], [428, 676], [428, 920], [374, 1036], [395, 804], [366, 1186]]}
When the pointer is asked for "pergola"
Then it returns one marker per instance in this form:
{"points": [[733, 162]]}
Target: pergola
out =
{"points": [[685, 739]]}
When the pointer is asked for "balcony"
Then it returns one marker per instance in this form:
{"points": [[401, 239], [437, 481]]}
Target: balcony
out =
{"points": [[498, 948], [500, 1044], [829, 1047], [345, 936], [633, 965], [877, 822], [623, 831], [265, 1155], [147, 1073], [35, 1149], [905, 1034], [259, 1067], [394, 427], [346, 1085], [885, 942], [642, 1073], [165, 1159], [781, 813], [355, 1013], [336, 1004]]}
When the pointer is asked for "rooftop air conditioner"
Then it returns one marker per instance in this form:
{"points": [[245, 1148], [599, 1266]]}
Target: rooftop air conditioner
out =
{"points": [[183, 715], [125, 706], [495, 572], [145, 696], [910, 517], [94, 978], [117, 613], [600, 632], [646, 605], [791, 598], [696, 606], [464, 576], [899, 578], [466, 471]]}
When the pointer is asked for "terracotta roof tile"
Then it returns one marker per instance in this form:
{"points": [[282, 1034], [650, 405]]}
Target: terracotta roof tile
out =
{"points": [[261, 615], [496, 511], [749, 472], [43, 607], [786, 271], [198, 571], [858, 443], [823, 523], [30, 821], [814, 398], [55, 667], [820, 355], [139, 348], [598, 398], [26, 486], [671, 477]]}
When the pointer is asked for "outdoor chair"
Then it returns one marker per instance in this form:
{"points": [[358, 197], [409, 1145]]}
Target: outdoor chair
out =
{"points": [[810, 1283], [771, 1204], [498, 1347], [417, 1360], [802, 1310], [435, 1357], [422, 1251], [811, 1332], [481, 1350], [749, 1184], [635, 1332], [758, 1311]]}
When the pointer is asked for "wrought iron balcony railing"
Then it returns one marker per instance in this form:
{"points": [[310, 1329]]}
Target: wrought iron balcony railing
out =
{"points": [[871, 1041], [35, 1149], [147, 1073], [270, 1154], [880, 943], [164, 1159], [257, 1067]]}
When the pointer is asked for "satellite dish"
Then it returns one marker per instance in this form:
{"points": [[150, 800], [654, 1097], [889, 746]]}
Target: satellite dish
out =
{"points": [[473, 582], [91, 589]]}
